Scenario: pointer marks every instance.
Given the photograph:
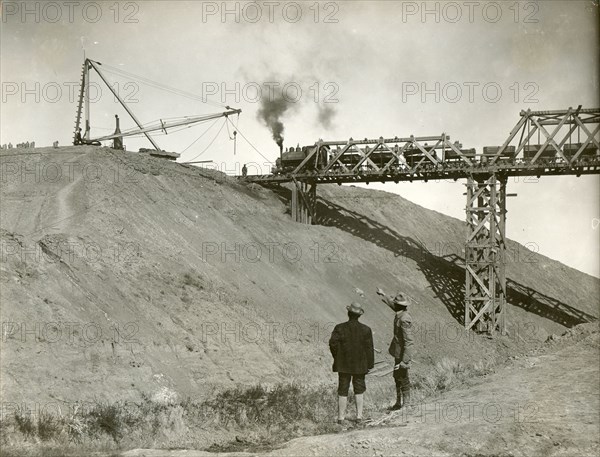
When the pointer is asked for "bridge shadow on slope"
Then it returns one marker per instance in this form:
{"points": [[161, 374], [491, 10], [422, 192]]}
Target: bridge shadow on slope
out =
{"points": [[445, 275], [538, 303]]}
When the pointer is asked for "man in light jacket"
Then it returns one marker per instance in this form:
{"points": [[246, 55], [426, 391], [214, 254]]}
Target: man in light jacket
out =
{"points": [[401, 346]]}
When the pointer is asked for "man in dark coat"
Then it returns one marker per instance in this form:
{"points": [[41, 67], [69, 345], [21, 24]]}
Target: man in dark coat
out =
{"points": [[401, 346], [78, 138], [351, 345]]}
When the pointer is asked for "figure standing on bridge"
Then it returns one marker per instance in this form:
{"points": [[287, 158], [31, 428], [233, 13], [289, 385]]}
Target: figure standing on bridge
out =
{"points": [[401, 346], [244, 171], [78, 139], [351, 345]]}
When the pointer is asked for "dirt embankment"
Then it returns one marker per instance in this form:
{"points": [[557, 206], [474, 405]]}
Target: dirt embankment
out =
{"points": [[542, 404], [124, 275]]}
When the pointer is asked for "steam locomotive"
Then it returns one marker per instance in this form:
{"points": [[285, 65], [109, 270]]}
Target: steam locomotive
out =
{"points": [[293, 157]]}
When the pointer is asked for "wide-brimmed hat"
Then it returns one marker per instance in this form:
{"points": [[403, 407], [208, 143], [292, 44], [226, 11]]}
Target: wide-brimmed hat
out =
{"points": [[355, 308], [400, 299]]}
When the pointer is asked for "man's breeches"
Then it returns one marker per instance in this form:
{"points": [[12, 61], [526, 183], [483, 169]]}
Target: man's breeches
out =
{"points": [[358, 384]]}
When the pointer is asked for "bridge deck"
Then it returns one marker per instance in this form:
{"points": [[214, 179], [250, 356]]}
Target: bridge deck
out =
{"points": [[577, 168]]}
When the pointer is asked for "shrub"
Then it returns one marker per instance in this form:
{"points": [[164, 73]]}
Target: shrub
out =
{"points": [[449, 373], [48, 426], [25, 425], [111, 419], [282, 405], [192, 281]]}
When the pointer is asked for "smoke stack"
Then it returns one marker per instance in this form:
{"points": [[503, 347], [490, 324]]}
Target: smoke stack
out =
{"points": [[281, 152]]}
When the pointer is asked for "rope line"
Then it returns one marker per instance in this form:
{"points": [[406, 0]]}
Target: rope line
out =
{"points": [[248, 141], [209, 144], [201, 135]]}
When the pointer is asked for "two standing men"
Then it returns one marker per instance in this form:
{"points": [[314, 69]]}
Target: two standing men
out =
{"points": [[351, 345]]}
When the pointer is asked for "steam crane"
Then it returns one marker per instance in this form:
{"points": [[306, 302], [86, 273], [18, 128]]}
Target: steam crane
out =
{"points": [[84, 101]]}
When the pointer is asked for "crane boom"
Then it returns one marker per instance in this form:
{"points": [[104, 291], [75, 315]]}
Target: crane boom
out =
{"points": [[164, 125]]}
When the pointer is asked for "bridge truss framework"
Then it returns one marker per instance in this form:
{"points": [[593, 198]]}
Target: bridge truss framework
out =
{"points": [[385, 160], [485, 250]]}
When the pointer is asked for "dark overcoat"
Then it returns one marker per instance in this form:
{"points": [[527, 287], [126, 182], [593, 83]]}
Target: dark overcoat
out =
{"points": [[351, 345]]}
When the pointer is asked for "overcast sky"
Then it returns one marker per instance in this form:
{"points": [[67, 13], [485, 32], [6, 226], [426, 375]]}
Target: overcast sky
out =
{"points": [[365, 69]]}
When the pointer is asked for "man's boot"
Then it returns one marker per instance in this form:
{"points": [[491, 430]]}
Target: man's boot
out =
{"points": [[342, 402], [396, 406], [359, 407]]}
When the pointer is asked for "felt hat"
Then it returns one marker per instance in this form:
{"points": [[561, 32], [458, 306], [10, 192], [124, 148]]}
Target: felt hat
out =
{"points": [[355, 308], [400, 299]]}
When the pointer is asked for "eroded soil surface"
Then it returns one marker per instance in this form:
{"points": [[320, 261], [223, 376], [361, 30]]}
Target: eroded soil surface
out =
{"points": [[544, 404]]}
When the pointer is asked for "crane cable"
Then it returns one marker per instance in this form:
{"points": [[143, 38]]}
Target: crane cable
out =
{"points": [[203, 133], [248, 141], [209, 144], [161, 86]]}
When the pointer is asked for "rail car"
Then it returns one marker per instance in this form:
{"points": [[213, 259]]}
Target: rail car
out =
{"points": [[350, 159], [414, 156], [589, 152], [507, 154], [451, 156], [549, 155], [489, 152], [530, 151]]}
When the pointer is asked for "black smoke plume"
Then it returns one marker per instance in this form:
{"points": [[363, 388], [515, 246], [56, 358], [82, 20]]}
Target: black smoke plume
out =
{"points": [[274, 105], [326, 115], [272, 108]]}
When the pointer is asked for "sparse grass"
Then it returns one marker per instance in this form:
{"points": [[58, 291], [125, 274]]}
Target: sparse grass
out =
{"points": [[448, 374], [277, 414], [271, 415], [25, 425], [192, 280], [442, 377], [48, 426], [264, 416], [109, 419]]}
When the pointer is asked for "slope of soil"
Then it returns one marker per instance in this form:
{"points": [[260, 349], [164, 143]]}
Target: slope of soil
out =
{"points": [[545, 404], [127, 275]]}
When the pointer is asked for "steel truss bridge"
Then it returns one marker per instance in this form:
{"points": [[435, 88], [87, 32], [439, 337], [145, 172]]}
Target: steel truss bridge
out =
{"points": [[542, 143]]}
